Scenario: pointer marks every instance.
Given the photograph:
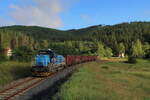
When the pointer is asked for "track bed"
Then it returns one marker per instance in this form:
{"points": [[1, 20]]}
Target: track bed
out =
{"points": [[32, 88]]}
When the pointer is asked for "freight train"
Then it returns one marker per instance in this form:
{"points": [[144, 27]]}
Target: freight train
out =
{"points": [[48, 62]]}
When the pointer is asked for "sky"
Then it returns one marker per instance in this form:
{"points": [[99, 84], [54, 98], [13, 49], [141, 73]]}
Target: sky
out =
{"points": [[72, 14]]}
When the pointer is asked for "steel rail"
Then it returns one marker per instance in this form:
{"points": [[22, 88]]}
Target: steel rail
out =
{"points": [[19, 88], [24, 89], [14, 86]]}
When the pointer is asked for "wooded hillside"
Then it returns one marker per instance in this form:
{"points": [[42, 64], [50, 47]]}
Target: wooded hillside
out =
{"points": [[77, 41]]}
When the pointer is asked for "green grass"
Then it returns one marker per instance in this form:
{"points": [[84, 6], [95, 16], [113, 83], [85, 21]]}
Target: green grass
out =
{"points": [[108, 81], [10, 71]]}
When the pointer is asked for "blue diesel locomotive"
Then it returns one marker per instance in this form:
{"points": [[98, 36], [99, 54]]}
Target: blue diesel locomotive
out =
{"points": [[47, 62]]}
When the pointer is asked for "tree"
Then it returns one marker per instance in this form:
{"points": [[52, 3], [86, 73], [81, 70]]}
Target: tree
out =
{"points": [[22, 53], [146, 48], [121, 48], [2, 56], [100, 49], [137, 50], [108, 52], [81, 46], [44, 44]]}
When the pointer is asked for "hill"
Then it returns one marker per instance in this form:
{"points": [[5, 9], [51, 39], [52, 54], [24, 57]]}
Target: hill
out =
{"points": [[42, 33], [111, 36], [132, 31]]}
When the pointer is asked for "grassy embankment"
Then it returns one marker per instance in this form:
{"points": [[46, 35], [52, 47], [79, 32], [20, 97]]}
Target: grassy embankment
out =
{"points": [[10, 71], [108, 81]]}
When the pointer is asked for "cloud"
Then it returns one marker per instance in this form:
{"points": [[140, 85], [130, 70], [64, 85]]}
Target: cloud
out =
{"points": [[42, 13]]}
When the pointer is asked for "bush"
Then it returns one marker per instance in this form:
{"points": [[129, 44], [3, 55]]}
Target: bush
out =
{"points": [[132, 60]]}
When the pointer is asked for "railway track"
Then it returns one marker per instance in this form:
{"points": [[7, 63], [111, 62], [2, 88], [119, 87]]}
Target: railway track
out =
{"points": [[19, 88]]}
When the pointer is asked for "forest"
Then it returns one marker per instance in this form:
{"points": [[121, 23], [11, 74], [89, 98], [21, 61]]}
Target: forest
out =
{"points": [[132, 39]]}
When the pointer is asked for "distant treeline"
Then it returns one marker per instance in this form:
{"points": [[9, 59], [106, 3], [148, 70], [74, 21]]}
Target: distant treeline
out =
{"points": [[129, 38]]}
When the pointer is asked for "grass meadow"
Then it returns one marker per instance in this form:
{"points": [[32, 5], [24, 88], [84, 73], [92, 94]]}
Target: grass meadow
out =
{"points": [[108, 81], [11, 70]]}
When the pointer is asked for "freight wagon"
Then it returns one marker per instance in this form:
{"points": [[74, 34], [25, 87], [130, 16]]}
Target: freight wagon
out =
{"points": [[47, 62]]}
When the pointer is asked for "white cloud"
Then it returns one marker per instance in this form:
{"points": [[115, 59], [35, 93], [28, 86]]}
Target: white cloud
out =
{"points": [[42, 13]]}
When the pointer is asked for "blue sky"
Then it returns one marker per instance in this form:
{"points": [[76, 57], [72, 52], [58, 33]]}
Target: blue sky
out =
{"points": [[69, 14]]}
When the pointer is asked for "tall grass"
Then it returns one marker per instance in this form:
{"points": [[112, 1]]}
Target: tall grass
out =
{"points": [[10, 71], [108, 81]]}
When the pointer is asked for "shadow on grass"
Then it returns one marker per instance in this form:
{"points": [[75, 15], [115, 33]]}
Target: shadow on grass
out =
{"points": [[105, 67], [52, 90]]}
